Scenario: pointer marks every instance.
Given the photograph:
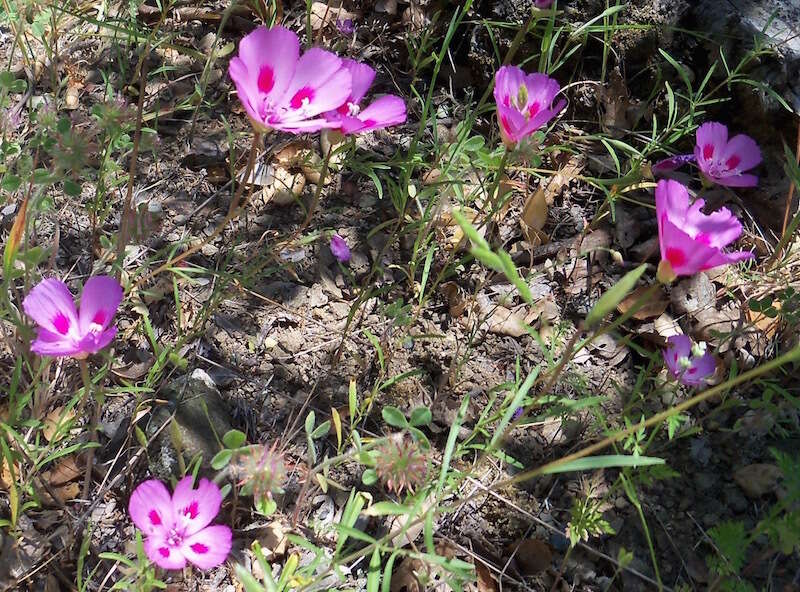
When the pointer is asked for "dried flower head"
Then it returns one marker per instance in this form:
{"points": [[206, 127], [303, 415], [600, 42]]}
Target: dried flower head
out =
{"points": [[261, 471], [400, 463]]}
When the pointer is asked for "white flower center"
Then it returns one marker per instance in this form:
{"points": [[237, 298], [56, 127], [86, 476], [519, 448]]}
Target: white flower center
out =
{"points": [[684, 362]]}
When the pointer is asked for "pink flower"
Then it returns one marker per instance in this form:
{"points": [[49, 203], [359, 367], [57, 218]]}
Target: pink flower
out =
{"points": [[543, 3], [63, 330], [723, 161], [340, 249], [282, 90], [690, 240], [672, 163], [690, 364], [177, 526], [524, 102], [382, 112]]}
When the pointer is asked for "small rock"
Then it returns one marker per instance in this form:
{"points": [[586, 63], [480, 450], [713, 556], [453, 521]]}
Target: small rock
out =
{"points": [[694, 294], [201, 418]]}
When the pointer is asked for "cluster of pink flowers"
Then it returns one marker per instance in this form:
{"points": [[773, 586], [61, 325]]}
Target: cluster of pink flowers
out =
{"points": [[281, 89]]}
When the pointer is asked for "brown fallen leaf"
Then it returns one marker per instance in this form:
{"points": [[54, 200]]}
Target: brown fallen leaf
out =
{"points": [[456, 298], [64, 471], [769, 325], [757, 479], [57, 420], [327, 13], [651, 309], [534, 212], [532, 556], [486, 581]]}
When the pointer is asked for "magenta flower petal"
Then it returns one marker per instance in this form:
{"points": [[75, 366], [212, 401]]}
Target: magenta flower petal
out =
{"points": [[177, 526], [672, 163], [319, 84], [264, 69], [723, 161], [340, 249], [382, 112], [54, 344], [52, 306], [524, 102], [689, 369], [362, 77], [196, 508], [209, 547], [162, 553], [281, 89], [271, 56], [99, 302], [93, 342], [543, 3], [62, 330], [717, 229], [150, 507], [690, 240]]}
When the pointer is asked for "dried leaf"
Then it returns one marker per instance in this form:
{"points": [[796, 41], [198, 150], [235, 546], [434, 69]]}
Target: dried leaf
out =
{"points": [[666, 326], [325, 13], [15, 236], [486, 581], [757, 479], [531, 555], [652, 308], [64, 471], [57, 420]]}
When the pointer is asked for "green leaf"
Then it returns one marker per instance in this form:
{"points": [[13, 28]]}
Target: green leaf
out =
{"points": [[394, 417], [234, 439], [321, 430], [140, 436], [10, 183], [310, 421], [420, 416], [374, 572], [613, 296], [42, 176], [387, 509], [605, 462], [247, 580], [469, 230], [71, 188], [221, 459], [369, 477], [7, 78]]}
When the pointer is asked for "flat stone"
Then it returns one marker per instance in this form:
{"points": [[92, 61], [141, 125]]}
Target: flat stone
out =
{"points": [[201, 419], [776, 22]]}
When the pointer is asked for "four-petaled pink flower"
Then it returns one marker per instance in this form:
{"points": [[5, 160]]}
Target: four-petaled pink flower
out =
{"points": [[282, 90], [64, 331], [340, 249], [177, 526], [690, 364], [690, 240], [382, 112], [524, 102], [723, 161]]}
